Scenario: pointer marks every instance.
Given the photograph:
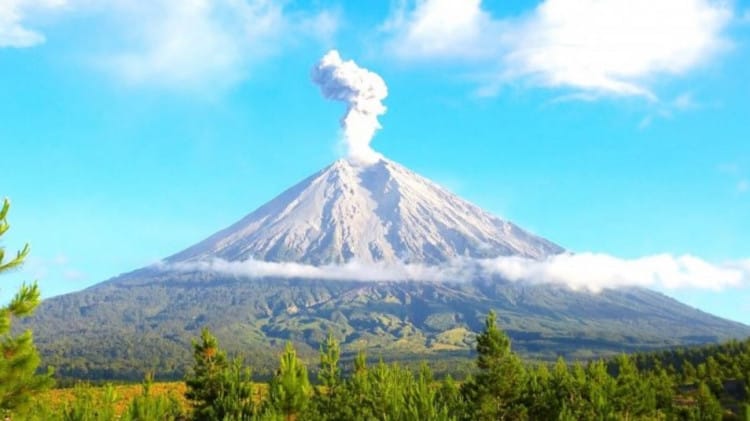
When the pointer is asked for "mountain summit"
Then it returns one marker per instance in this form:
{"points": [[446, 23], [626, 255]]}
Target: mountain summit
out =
{"points": [[380, 212]]}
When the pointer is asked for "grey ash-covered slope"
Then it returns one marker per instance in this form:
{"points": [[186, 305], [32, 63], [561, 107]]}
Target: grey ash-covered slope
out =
{"points": [[376, 213], [144, 320]]}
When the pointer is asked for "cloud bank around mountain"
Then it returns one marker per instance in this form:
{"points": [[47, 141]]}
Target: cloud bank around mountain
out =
{"points": [[592, 272], [608, 47]]}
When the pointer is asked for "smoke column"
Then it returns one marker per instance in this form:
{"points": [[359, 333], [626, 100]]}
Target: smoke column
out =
{"points": [[363, 92]]}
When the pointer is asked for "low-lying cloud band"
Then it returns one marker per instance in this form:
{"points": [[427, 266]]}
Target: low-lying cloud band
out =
{"points": [[582, 271]]}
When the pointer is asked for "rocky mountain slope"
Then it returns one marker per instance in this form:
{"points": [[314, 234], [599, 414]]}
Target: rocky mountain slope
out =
{"points": [[374, 213]]}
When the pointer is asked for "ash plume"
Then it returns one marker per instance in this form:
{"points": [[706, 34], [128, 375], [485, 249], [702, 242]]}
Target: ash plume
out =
{"points": [[363, 92]]}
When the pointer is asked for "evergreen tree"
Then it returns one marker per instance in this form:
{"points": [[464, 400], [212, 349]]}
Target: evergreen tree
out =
{"points": [[19, 359], [494, 393], [599, 390], [327, 398], [289, 391], [539, 397], [707, 407], [422, 399], [329, 375], [563, 390], [235, 400], [633, 397], [663, 386], [450, 395], [204, 384], [386, 397]]}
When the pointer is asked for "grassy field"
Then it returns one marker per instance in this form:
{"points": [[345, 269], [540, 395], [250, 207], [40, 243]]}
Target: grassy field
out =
{"points": [[58, 399]]}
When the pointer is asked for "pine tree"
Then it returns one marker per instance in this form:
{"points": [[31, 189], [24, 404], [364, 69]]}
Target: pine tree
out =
{"points": [[494, 393], [422, 399], [204, 384], [329, 375], [664, 389], [633, 397], [19, 359], [450, 395], [387, 385], [289, 391], [326, 400], [539, 397], [235, 400], [563, 389], [707, 407], [599, 390]]}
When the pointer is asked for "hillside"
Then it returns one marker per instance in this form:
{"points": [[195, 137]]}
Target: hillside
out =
{"points": [[127, 326]]}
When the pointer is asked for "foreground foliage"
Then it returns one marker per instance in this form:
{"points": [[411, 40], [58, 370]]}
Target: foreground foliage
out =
{"points": [[708, 383], [18, 356]]}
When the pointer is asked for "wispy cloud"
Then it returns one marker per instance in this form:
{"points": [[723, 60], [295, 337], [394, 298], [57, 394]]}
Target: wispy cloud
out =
{"points": [[14, 31], [612, 47], [583, 271], [442, 29], [206, 43], [743, 186], [668, 109], [596, 271], [58, 267], [190, 44], [737, 173]]}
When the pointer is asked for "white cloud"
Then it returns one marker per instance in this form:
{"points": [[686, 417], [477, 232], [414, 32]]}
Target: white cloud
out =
{"points": [[192, 44], [584, 271], [743, 186], [594, 271], [685, 102], [352, 271], [14, 13], [607, 46], [667, 109], [442, 28], [55, 268], [205, 43]]}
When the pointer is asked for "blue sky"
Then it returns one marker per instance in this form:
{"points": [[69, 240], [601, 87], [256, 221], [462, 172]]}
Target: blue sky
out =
{"points": [[129, 132]]}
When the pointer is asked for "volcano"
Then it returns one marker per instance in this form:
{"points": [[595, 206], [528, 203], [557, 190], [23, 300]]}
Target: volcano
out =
{"points": [[380, 213]]}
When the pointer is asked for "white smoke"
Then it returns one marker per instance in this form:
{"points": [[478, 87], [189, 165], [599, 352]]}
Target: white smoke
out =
{"points": [[363, 92], [585, 271]]}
